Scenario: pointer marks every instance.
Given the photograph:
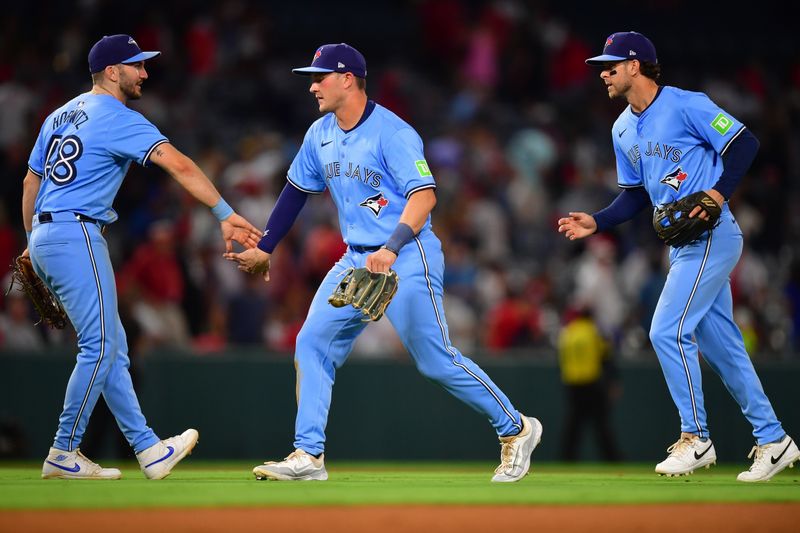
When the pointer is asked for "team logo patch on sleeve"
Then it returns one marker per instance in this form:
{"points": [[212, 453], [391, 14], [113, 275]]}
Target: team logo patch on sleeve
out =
{"points": [[375, 203], [423, 168], [721, 123], [675, 178]]}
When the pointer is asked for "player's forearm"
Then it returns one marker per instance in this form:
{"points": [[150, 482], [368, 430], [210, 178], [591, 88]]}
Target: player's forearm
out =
{"points": [[412, 219], [190, 177], [624, 207], [30, 189], [288, 206], [419, 206], [736, 160], [196, 183]]}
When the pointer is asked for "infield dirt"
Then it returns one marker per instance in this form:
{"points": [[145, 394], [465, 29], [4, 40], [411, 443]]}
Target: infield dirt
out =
{"points": [[748, 518]]}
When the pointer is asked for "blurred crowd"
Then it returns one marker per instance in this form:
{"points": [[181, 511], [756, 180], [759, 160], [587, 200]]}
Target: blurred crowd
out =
{"points": [[516, 131]]}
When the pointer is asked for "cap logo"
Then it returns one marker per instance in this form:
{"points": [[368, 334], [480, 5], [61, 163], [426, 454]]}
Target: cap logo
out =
{"points": [[131, 41], [631, 53], [608, 42], [317, 54], [340, 65]]}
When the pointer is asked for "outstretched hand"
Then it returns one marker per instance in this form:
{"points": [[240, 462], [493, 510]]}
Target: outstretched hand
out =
{"points": [[236, 228], [253, 261], [577, 226]]}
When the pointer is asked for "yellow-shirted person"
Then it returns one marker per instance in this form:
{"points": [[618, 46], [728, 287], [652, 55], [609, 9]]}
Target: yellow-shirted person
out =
{"points": [[589, 381]]}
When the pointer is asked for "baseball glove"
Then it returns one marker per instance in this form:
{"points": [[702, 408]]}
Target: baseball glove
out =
{"points": [[368, 291], [672, 222], [47, 305]]}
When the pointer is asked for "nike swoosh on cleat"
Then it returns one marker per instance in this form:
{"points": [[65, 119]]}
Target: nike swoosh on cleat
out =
{"points": [[774, 460], [167, 456], [698, 456], [324, 143], [77, 467]]}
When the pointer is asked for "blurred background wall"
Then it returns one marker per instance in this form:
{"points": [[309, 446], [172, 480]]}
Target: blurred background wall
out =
{"points": [[516, 131], [244, 407]]}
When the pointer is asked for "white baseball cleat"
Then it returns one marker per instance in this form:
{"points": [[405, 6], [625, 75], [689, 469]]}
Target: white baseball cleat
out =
{"points": [[158, 460], [515, 452], [770, 459], [61, 464], [687, 455], [298, 466]]}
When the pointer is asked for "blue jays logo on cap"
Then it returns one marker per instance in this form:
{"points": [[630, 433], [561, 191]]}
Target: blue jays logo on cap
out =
{"points": [[336, 58], [114, 49], [625, 45]]}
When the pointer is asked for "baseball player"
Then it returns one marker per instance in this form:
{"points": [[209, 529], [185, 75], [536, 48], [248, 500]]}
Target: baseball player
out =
{"points": [[670, 143], [373, 165], [76, 167]]}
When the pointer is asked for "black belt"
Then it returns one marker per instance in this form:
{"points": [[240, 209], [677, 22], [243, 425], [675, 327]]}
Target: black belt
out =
{"points": [[44, 218], [362, 249]]}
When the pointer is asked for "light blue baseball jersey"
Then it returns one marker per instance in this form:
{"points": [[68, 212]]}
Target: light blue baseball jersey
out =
{"points": [[84, 150], [674, 147], [370, 171]]}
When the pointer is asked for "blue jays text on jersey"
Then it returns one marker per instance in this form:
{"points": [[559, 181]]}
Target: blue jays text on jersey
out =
{"points": [[367, 176], [674, 147]]}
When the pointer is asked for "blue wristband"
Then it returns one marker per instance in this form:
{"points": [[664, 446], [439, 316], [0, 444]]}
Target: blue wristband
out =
{"points": [[402, 234], [222, 210]]}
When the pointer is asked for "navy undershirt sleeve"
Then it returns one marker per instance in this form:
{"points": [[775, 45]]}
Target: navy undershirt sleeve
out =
{"points": [[624, 207], [736, 160], [288, 206]]}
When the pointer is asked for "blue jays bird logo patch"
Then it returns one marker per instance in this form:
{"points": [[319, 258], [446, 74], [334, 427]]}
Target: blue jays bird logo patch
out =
{"points": [[675, 178], [375, 203]]}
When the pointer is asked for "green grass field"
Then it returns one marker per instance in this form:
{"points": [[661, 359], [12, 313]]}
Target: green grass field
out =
{"points": [[207, 484]]}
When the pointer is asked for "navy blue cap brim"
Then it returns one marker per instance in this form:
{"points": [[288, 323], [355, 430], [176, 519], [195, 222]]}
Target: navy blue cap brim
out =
{"points": [[307, 71], [599, 60], [144, 56]]}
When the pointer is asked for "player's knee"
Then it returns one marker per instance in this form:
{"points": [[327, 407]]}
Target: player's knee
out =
{"points": [[435, 373], [93, 347], [305, 338], [661, 337], [307, 347]]}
